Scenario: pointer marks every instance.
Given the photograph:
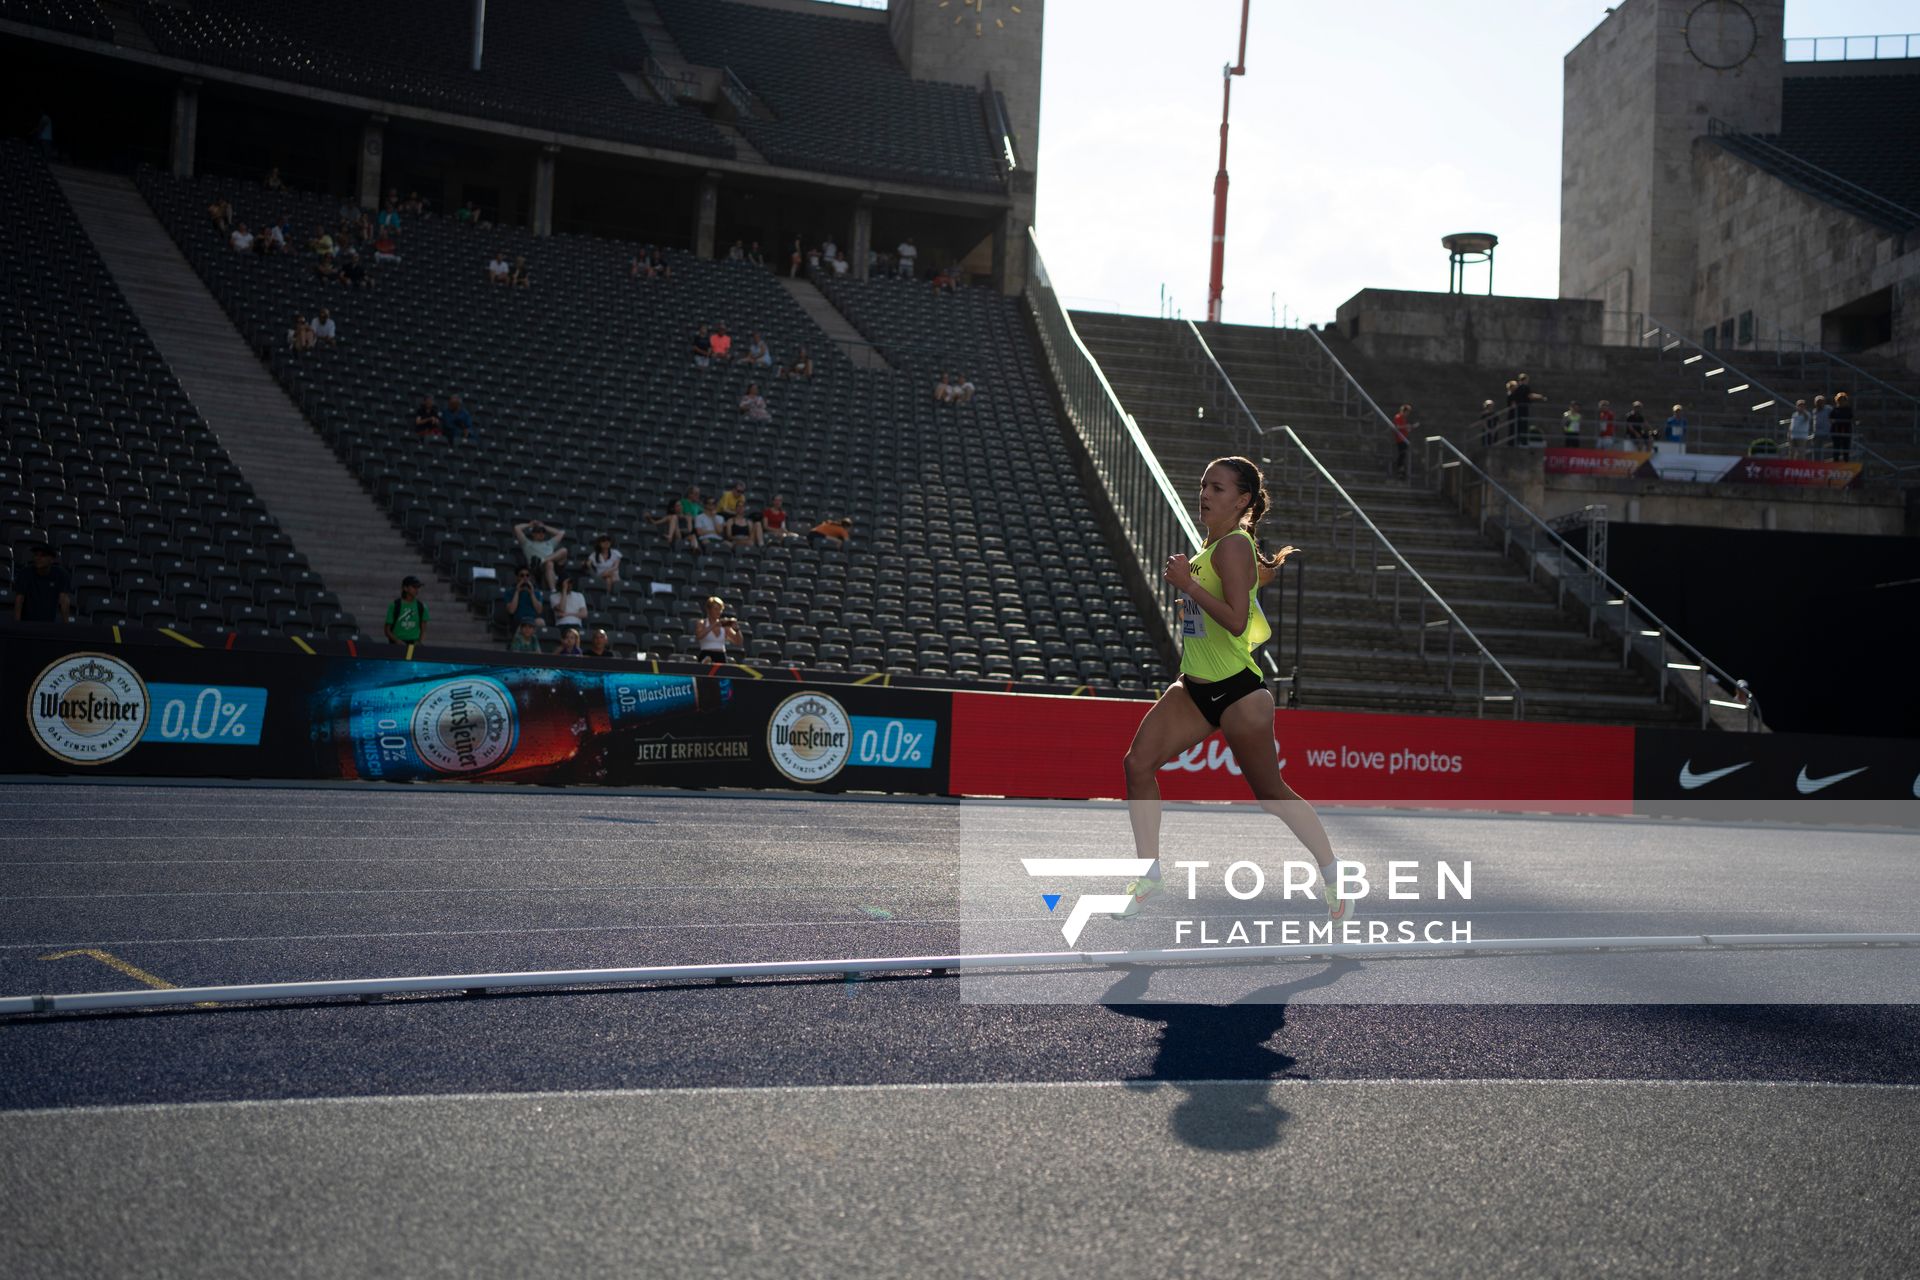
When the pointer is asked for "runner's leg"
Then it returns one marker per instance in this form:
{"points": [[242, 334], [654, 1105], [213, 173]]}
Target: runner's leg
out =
{"points": [[1248, 728], [1173, 726]]}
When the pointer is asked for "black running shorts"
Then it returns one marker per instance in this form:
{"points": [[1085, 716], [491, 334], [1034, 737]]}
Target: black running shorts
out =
{"points": [[1214, 697]]}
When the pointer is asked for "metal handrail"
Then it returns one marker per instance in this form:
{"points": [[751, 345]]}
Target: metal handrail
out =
{"points": [[1257, 436], [1666, 337], [1620, 597], [744, 100], [1908, 42], [1898, 216], [1152, 517], [1352, 383], [1810, 353]]}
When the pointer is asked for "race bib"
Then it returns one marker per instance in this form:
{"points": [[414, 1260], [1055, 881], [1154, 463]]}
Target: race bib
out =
{"points": [[1193, 619]]}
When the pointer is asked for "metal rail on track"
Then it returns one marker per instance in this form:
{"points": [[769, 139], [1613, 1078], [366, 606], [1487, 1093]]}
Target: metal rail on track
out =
{"points": [[851, 969]]}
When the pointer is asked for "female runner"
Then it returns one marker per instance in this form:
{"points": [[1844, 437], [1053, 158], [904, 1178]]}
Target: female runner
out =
{"points": [[1219, 685]]}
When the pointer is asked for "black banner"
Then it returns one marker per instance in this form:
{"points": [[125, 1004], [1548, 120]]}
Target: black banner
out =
{"points": [[161, 708], [1694, 764]]}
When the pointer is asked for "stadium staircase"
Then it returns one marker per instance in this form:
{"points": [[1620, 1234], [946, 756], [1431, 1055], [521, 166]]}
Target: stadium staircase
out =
{"points": [[351, 542], [820, 309], [1354, 658]]}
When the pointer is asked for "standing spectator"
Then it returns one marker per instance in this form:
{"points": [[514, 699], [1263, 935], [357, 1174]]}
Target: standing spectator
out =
{"points": [[241, 241], [1840, 424], [407, 616], [526, 638], [835, 531], [737, 251], [796, 257], [274, 181], [569, 646], [45, 592], [569, 606], [703, 348], [1403, 424], [839, 265], [720, 344], [389, 219], [426, 420], [909, 258], [774, 519], [1570, 426], [829, 250], [1489, 422], [457, 421], [753, 405], [413, 206], [1799, 430], [543, 547], [1521, 399], [1677, 430], [603, 562], [467, 214], [1639, 435], [497, 269], [324, 329], [274, 238], [1606, 424], [1822, 427], [525, 602], [221, 211], [717, 632], [601, 646], [708, 526]]}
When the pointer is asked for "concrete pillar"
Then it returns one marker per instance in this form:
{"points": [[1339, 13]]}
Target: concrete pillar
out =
{"points": [[479, 34], [706, 214], [186, 126], [542, 217], [373, 145], [860, 241]]}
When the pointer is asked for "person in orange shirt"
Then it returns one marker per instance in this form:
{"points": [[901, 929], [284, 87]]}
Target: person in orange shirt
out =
{"points": [[720, 343], [836, 530]]}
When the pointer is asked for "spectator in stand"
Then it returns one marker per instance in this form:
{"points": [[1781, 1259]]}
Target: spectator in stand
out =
{"points": [[241, 241], [1677, 430], [384, 249], [413, 206], [426, 419], [1606, 424], [300, 338], [829, 250], [753, 405], [1402, 425], [43, 137], [1822, 427], [273, 181], [274, 238], [544, 549], [324, 329], [687, 511], [406, 621], [457, 421], [835, 531], [221, 211], [757, 352], [734, 499], [601, 646], [801, 368], [521, 278], [353, 272], [569, 606], [839, 264], [1799, 430], [1639, 435], [946, 280], [703, 348], [737, 251], [964, 390], [526, 638], [796, 258], [526, 604], [467, 215], [1570, 426], [754, 256], [773, 521], [1489, 422], [329, 271], [1520, 399], [720, 343], [1840, 424], [943, 389], [498, 271], [45, 592], [668, 521], [569, 646], [740, 529], [603, 562], [708, 526], [717, 632], [909, 256], [389, 219]]}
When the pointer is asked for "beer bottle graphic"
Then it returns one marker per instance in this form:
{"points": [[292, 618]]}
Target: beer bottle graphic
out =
{"points": [[523, 724]]}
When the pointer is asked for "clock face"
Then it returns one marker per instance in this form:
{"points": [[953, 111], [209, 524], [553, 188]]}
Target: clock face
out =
{"points": [[980, 17], [1721, 34]]}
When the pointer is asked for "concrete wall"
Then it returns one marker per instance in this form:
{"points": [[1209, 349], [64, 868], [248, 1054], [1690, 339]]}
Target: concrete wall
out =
{"points": [[1767, 247], [1473, 329]]}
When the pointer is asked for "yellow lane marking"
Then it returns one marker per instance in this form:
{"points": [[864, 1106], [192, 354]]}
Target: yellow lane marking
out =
{"points": [[304, 646], [118, 965], [171, 634]]}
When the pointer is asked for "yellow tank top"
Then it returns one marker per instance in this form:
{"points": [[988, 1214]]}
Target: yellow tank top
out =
{"points": [[1207, 651]]}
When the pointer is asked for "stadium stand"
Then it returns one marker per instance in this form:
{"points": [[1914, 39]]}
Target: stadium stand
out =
{"points": [[75, 17], [1858, 128], [957, 331], [840, 101], [547, 66], [591, 413], [105, 458]]}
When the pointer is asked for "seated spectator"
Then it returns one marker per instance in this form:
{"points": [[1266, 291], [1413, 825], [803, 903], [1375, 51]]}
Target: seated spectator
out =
{"points": [[569, 606], [836, 531], [737, 251], [773, 521], [1677, 430], [703, 348], [601, 646], [688, 509], [426, 420], [753, 405], [389, 219], [543, 547], [241, 241], [329, 271], [734, 499], [520, 278], [757, 352], [708, 526], [353, 273], [657, 263], [667, 521], [740, 530], [963, 391], [43, 593], [321, 246], [274, 238], [943, 389], [526, 603], [945, 280], [273, 181], [498, 271], [300, 337], [839, 265], [413, 206], [221, 211], [603, 562], [909, 256], [754, 256], [718, 631], [467, 214], [801, 368], [457, 421], [526, 638], [384, 249], [324, 329], [720, 343], [569, 646], [829, 251]]}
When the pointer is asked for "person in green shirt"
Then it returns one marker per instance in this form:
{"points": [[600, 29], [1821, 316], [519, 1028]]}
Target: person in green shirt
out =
{"points": [[524, 640], [407, 616]]}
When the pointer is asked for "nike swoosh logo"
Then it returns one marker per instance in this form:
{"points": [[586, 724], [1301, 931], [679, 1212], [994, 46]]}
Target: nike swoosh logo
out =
{"points": [[1807, 786], [1690, 780]]}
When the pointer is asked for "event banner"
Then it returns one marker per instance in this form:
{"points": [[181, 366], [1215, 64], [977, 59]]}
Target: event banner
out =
{"points": [[1704, 468], [165, 710], [1071, 748], [1701, 764], [1616, 463]]}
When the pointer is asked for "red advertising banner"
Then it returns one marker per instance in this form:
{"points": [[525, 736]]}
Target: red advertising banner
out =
{"points": [[1071, 748], [1794, 471], [1594, 462]]}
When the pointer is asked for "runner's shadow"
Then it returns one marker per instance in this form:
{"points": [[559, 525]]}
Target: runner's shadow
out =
{"points": [[1216, 1043]]}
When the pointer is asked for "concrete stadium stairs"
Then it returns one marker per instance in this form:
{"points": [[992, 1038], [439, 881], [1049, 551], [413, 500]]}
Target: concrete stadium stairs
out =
{"points": [[1353, 656], [347, 538]]}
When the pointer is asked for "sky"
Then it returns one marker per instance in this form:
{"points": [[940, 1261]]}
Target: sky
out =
{"points": [[1362, 132]]}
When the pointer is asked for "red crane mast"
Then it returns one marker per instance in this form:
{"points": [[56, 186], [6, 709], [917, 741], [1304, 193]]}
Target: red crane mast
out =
{"points": [[1217, 274]]}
